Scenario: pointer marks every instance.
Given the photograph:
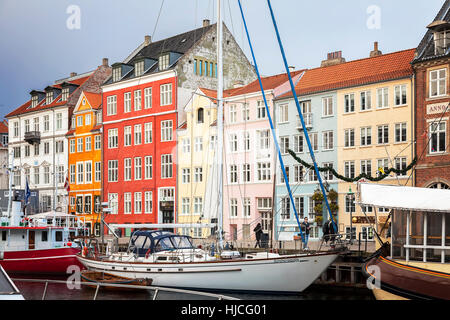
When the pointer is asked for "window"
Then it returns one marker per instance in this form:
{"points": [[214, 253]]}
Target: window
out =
{"points": [[65, 94], [261, 109], [246, 172], [438, 137], [285, 208], [212, 142], [185, 205], [283, 113], [366, 136], [299, 203], [98, 117], [111, 105], [27, 151], [88, 119], [36, 150], [79, 204], [147, 98], [298, 173], [441, 42], [198, 205], [49, 97], [366, 167], [37, 175], [328, 141], [233, 208], [59, 125], [59, 146], [198, 174], [137, 100], [80, 172], [366, 101], [88, 142], [117, 74], [36, 124], [383, 98], [166, 94], [383, 164], [138, 68], [383, 134], [148, 133], [286, 169], [163, 62], [198, 146], [328, 175], [127, 203], [17, 178], [400, 163], [327, 107], [148, 171], [233, 174], [138, 202], [400, 95], [166, 130], [16, 129], [113, 199], [245, 112], [127, 102], [27, 125], [148, 202], [349, 105], [113, 170], [263, 171], [88, 204], [313, 175], [315, 141], [246, 208], [349, 138], [247, 141], [88, 168], [349, 169], [350, 203], [233, 114], [46, 147], [186, 175], [200, 115], [127, 169], [264, 141], [79, 144], [166, 166], [400, 132], [34, 101], [113, 138], [137, 168], [438, 83], [98, 142], [186, 145], [137, 134], [298, 143], [284, 145], [98, 171], [46, 123]]}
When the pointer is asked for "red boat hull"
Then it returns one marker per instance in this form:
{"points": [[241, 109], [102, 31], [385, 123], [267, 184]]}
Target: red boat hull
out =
{"points": [[45, 261]]}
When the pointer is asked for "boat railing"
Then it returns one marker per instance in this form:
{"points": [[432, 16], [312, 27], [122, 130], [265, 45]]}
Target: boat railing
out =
{"points": [[156, 290]]}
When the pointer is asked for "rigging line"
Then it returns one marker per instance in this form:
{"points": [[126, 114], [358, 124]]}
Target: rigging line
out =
{"points": [[297, 103], [157, 19], [231, 17]]}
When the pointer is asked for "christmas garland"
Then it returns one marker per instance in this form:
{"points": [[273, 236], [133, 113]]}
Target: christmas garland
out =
{"points": [[382, 176]]}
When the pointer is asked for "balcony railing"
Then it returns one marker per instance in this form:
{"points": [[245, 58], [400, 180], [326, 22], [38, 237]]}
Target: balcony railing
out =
{"points": [[307, 117], [33, 137]]}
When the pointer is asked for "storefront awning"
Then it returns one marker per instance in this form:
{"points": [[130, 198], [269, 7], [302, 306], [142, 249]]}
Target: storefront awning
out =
{"points": [[404, 198]]}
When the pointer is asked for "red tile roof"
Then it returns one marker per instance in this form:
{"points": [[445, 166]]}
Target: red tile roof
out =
{"points": [[385, 67], [95, 99], [4, 127]]}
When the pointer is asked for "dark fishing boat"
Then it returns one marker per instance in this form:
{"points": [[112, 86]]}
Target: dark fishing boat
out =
{"points": [[95, 277]]}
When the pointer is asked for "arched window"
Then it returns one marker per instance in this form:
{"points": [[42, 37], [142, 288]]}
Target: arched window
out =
{"points": [[200, 115], [439, 185]]}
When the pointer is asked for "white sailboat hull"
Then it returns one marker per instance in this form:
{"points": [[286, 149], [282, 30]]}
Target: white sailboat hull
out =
{"points": [[281, 274]]}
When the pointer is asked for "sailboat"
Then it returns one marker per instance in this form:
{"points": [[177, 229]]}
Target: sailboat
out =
{"points": [[173, 261]]}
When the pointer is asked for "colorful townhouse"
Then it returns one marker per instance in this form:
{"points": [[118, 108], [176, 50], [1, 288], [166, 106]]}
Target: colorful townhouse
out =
{"points": [[143, 106], [85, 160], [4, 181], [37, 136], [432, 110], [249, 159]]}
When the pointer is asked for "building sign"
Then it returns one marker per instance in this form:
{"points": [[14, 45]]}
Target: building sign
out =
{"points": [[359, 219], [437, 108]]}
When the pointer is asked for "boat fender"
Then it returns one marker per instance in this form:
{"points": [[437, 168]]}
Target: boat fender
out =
{"points": [[148, 253]]}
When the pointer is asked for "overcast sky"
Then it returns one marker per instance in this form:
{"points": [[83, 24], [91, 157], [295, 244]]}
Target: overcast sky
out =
{"points": [[42, 40]]}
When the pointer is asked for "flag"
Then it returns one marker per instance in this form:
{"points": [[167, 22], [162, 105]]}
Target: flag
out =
{"points": [[66, 184], [381, 170], [27, 192]]}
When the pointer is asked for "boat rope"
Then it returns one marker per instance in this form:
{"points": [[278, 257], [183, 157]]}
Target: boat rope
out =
{"points": [[297, 103], [271, 123]]}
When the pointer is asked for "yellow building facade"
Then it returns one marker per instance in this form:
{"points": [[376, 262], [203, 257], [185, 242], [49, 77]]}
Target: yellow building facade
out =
{"points": [[197, 141], [85, 156]]}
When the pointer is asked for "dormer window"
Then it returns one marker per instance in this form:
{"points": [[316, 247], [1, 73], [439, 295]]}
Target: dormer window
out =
{"points": [[117, 74], [34, 101], [49, 97], [139, 68], [65, 94], [441, 41], [164, 62]]}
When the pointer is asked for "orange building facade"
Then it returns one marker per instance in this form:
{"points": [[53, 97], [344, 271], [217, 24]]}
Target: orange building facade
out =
{"points": [[85, 156]]}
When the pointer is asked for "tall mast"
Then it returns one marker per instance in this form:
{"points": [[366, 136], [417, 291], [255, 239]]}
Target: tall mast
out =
{"points": [[220, 123]]}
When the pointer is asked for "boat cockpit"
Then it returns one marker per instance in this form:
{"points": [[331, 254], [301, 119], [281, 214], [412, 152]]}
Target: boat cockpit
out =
{"points": [[143, 242]]}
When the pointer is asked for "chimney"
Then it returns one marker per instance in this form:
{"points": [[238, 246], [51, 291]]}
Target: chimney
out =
{"points": [[73, 74], [206, 22], [333, 58], [375, 51], [147, 40], [105, 62]]}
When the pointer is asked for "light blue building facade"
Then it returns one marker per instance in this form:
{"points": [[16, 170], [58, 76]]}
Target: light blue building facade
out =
{"points": [[319, 112]]}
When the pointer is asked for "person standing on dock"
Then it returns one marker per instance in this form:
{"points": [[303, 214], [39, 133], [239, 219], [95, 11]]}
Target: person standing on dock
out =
{"points": [[258, 232], [305, 228]]}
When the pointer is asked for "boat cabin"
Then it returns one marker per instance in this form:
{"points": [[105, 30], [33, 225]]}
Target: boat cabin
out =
{"points": [[155, 241]]}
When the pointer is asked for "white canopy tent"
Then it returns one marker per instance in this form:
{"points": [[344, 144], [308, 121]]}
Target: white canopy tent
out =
{"points": [[404, 198]]}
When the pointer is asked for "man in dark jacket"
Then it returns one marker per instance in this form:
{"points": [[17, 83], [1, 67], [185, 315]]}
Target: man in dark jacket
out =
{"points": [[305, 228], [258, 232]]}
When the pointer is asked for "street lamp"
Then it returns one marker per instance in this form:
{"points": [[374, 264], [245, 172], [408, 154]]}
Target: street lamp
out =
{"points": [[350, 195]]}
